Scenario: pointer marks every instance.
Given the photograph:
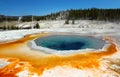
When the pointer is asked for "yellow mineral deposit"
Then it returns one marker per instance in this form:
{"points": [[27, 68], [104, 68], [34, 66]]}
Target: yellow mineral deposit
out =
{"points": [[37, 61]]}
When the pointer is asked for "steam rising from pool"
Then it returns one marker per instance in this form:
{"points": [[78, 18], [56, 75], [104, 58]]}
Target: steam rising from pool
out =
{"points": [[69, 42]]}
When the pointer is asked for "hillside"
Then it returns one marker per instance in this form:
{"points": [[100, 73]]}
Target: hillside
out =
{"points": [[84, 14], [111, 15]]}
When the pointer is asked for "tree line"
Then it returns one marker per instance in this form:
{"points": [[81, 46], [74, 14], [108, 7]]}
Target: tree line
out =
{"points": [[76, 14], [8, 18], [95, 14], [90, 14]]}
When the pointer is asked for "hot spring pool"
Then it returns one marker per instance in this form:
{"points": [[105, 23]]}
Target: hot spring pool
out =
{"points": [[69, 42]]}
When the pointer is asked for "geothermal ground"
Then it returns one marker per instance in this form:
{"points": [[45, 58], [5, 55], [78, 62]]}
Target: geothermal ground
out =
{"points": [[18, 59]]}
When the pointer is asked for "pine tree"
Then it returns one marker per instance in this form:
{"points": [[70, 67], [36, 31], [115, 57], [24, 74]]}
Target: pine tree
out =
{"points": [[37, 26]]}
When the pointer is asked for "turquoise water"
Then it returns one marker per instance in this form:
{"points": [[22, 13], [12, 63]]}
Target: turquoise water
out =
{"points": [[69, 42]]}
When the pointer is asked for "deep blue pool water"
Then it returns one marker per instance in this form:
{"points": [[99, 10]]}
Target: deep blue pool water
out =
{"points": [[69, 42]]}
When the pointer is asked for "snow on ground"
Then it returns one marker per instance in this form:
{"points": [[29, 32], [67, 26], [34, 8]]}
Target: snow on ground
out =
{"points": [[78, 24], [16, 34], [109, 66]]}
